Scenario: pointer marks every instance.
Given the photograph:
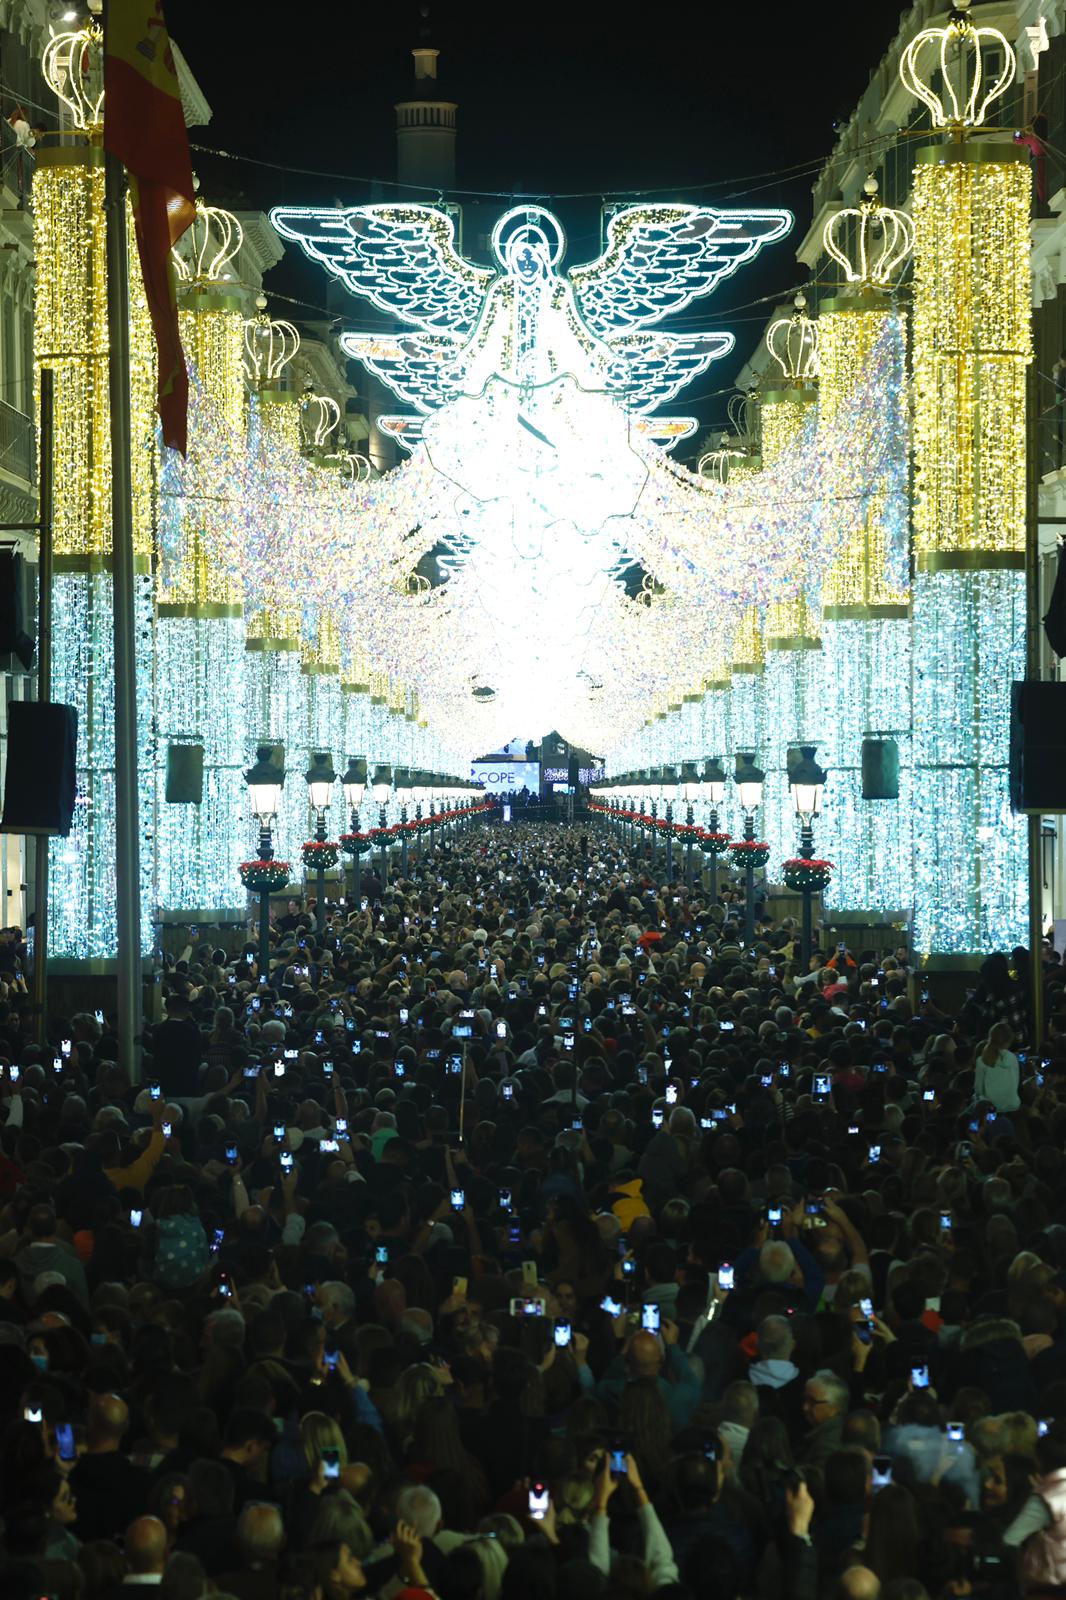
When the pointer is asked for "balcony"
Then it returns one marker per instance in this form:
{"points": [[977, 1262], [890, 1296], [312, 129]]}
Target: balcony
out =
{"points": [[18, 447]]}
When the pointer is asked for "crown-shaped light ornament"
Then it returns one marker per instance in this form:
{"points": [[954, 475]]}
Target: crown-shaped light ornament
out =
{"points": [[956, 60], [270, 343], [209, 245], [883, 238], [319, 415], [353, 467], [715, 463], [741, 413], [793, 344], [73, 68]]}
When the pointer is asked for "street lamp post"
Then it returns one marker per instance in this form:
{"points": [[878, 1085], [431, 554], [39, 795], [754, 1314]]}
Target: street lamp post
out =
{"points": [[749, 781], [714, 794], [403, 790], [354, 782], [806, 779], [668, 779], [320, 780], [382, 788], [265, 781], [418, 794], [690, 788]]}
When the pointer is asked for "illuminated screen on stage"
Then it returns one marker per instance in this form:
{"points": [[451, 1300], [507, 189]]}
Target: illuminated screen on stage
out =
{"points": [[506, 777]]}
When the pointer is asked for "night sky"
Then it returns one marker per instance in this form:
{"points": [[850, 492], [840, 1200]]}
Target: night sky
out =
{"points": [[728, 105]]}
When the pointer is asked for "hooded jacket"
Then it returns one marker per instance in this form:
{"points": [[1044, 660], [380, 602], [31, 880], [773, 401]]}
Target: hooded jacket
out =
{"points": [[992, 1358]]}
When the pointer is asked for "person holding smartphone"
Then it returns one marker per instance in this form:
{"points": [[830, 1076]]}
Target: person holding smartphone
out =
{"points": [[656, 1549]]}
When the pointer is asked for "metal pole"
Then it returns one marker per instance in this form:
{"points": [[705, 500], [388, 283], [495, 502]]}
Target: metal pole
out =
{"points": [[384, 851], [266, 853], [127, 821], [44, 692], [320, 878], [403, 841], [264, 936], [749, 884], [1032, 671], [669, 842], [807, 854], [689, 820]]}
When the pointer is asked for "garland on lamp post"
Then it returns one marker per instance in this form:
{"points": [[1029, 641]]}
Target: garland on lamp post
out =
{"points": [[712, 843], [750, 852], [806, 874], [320, 854], [355, 844], [264, 876]]}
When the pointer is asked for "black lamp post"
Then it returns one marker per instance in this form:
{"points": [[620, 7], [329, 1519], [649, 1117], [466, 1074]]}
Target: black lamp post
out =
{"points": [[749, 781], [713, 794], [320, 780], [419, 793], [265, 781], [433, 782], [690, 788], [805, 780], [403, 789], [382, 789], [668, 780], [354, 782]]}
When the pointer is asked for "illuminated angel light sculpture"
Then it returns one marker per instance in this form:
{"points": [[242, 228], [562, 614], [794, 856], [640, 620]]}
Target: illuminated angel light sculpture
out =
{"points": [[522, 320]]}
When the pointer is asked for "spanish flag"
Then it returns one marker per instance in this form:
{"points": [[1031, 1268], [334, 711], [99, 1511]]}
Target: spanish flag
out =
{"points": [[144, 126]]}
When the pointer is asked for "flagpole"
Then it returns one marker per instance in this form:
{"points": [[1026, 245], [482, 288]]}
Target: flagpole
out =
{"points": [[127, 822]]}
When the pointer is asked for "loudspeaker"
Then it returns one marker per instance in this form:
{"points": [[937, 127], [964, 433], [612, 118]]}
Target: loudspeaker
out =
{"points": [[39, 791], [17, 631], [185, 774], [880, 769], [1038, 747], [573, 772]]}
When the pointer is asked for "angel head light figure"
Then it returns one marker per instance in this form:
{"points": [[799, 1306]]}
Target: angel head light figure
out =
{"points": [[528, 242]]}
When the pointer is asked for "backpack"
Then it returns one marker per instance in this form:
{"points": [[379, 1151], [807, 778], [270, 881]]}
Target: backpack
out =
{"points": [[181, 1253]]}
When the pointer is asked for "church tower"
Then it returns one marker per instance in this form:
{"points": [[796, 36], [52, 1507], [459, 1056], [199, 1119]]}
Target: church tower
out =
{"points": [[425, 126]]}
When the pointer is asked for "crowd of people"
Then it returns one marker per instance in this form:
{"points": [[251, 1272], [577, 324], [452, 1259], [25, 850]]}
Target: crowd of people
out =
{"points": [[527, 1235]]}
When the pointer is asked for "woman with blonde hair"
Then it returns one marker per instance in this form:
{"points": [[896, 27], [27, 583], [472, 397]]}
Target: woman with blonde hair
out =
{"points": [[317, 1434], [413, 1388], [996, 1070]]}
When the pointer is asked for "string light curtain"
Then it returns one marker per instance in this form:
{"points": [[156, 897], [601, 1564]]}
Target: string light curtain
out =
{"points": [[866, 625], [972, 342]]}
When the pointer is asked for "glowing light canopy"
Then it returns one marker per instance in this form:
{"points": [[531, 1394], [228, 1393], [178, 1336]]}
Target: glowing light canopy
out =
{"points": [[539, 472]]}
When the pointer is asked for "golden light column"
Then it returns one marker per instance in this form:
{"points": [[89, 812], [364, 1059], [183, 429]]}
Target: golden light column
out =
{"points": [[71, 337], [972, 343], [200, 696], [275, 688], [739, 646], [745, 717], [320, 635], [866, 628], [793, 692]]}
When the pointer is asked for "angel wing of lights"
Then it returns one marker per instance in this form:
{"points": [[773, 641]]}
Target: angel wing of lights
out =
{"points": [[407, 431], [659, 258], [415, 366], [665, 431], [650, 368], [401, 258]]}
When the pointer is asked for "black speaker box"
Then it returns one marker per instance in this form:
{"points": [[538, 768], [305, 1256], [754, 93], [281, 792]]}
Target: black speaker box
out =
{"points": [[40, 786], [1038, 747], [185, 774], [17, 600], [880, 769], [573, 772]]}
